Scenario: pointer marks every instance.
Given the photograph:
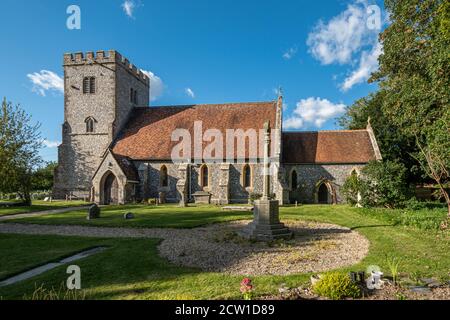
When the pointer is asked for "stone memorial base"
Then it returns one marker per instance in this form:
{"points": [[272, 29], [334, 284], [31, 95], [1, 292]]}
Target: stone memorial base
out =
{"points": [[202, 197], [266, 225]]}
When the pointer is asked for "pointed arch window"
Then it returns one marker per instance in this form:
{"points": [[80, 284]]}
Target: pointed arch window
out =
{"points": [[89, 85], [90, 124], [163, 177], [247, 176], [204, 176], [294, 181]]}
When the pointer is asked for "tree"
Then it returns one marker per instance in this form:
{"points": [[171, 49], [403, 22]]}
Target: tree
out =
{"points": [[414, 73], [43, 176], [19, 145], [394, 145], [411, 109]]}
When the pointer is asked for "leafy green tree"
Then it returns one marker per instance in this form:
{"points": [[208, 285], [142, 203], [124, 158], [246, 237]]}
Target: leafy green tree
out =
{"points": [[19, 145], [394, 145], [414, 73], [412, 104], [43, 177]]}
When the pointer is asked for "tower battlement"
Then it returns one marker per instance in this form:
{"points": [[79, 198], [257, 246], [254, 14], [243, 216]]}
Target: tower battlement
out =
{"points": [[103, 57]]}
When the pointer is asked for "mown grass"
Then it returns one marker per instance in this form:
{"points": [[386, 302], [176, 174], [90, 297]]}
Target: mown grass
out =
{"points": [[132, 269], [39, 205], [23, 252], [146, 216]]}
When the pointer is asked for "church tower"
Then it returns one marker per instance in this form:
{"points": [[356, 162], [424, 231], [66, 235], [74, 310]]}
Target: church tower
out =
{"points": [[100, 92]]}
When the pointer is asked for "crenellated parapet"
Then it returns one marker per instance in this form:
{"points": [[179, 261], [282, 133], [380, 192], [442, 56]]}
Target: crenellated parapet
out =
{"points": [[103, 57]]}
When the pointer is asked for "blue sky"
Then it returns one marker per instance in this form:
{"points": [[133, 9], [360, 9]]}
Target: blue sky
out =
{"points": [[198, 51]]}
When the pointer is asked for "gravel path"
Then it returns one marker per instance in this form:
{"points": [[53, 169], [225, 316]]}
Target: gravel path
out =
{"points": [[41, 213], [316, 247]]}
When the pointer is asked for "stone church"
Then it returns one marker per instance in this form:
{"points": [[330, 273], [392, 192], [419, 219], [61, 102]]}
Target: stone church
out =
{"points": [[117, 149]]}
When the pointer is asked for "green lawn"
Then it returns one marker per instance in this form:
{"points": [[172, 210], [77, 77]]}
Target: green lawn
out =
{"points": [[132, 269], [40, 205], [162, 216], [23, 252]]}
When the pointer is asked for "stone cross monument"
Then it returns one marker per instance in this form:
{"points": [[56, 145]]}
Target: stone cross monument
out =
{"points": [[266, 225]]}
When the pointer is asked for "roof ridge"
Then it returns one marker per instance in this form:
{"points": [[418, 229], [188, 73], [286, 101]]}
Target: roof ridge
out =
{"points": [[319, 131], [211, 104]]}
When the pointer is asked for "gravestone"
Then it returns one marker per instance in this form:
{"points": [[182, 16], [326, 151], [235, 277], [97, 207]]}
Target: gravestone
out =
{"points": [[93, 212], [128, 216], [162, 197]]}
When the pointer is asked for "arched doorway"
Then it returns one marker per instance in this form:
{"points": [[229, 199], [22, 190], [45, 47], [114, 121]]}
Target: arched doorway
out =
{"points": [[323, 194], [110, 189]]}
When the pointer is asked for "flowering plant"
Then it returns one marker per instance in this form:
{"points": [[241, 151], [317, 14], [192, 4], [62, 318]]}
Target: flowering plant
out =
{"points": [[247, 288]]}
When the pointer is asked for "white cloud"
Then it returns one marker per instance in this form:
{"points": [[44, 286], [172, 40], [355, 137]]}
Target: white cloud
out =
{"points": [[337, 40], [189, 92], [156, 85], [293, 123], [313, 112], [128, 7], [367, 65], [347, 39], [50, 144], [290, 53], [44, 81]]}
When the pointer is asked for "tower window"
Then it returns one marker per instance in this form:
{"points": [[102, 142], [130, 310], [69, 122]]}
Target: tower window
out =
{"points": [[133, 96], [90, 124], [89, 85]]}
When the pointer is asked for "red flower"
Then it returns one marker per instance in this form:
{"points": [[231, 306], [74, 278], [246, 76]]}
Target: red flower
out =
{"points": [[246, 282], [246, 285]]}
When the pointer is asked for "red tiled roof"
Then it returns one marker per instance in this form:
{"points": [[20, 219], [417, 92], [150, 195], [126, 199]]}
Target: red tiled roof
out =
{"points": [[347, 146], [147, 135], [127, 167]]}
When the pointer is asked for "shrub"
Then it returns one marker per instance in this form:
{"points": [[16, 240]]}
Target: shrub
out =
{"points": [[383, 184], [336, 286], [351, 188]]}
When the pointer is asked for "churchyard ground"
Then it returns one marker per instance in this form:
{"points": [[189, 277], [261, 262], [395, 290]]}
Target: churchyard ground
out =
{"points": [[131, 268], [38, 205]]}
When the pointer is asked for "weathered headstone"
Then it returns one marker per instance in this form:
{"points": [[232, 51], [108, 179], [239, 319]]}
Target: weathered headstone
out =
{"points": [[162, 197], [93, 212], [128, 216]]}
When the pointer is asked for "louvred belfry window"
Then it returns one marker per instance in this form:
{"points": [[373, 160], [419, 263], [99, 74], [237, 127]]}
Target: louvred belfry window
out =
{"points": [[89, 85]]}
